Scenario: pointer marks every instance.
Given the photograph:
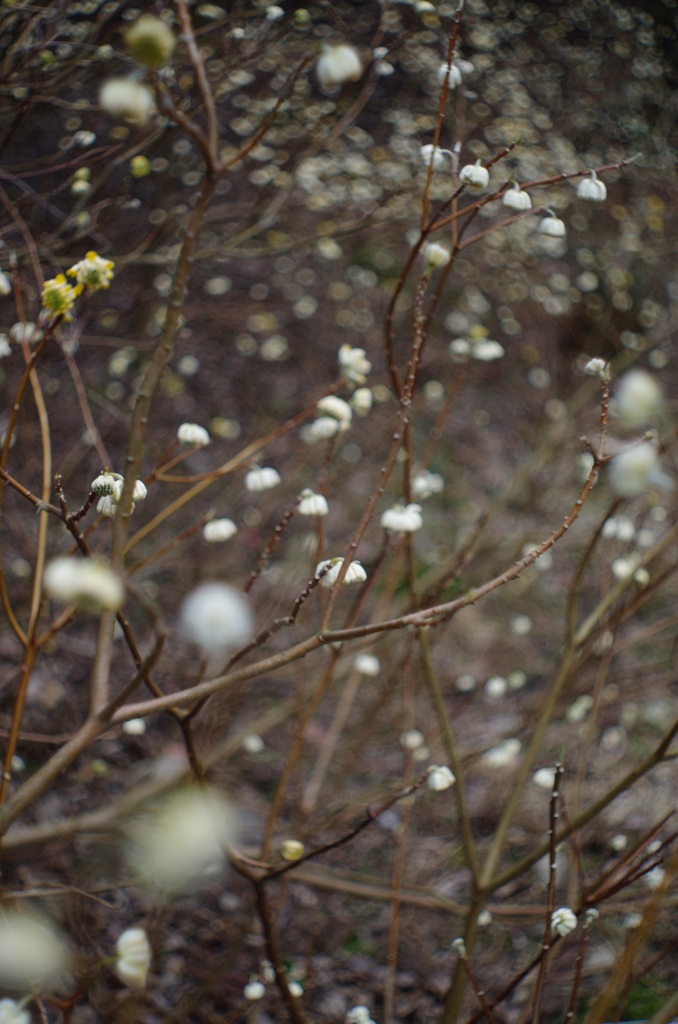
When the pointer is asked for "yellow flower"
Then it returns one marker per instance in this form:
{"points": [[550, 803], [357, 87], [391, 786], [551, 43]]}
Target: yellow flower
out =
{"points": [[92, 273], [58, 297]]}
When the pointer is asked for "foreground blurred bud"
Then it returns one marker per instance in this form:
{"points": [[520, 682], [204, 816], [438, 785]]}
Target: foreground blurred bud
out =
{"points": [[359, 1015], [127, 100], [337, 408], [150, 41], [134, 958], [11, 1013], [32, 954], [193, 435], [292, 849], [185, 841], [637, 471], [563, 921], [362, 401], [367, 664], [216, 618], [90, 584], [254, 990], [338, 64], [434, 155], [639, 399]]}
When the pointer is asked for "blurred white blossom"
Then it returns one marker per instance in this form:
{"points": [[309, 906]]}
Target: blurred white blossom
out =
{"points": [[12, 1013], [219, 530], [338, 64], [402, 518], [353, 364], [354, 574], [440, 777], [216, 617], [127, 99], [193, 434], [89, 583], [637, 471], [184, 841], [367, 664], [563, 921], [32, 953], [262, 478], [312, 504], [638, 401]]}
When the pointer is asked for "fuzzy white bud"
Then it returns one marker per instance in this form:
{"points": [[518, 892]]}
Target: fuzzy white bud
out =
{"points": [[134, 958], [215, 617], [475, 175], [89, 583], [193, 435], [338, 64]]}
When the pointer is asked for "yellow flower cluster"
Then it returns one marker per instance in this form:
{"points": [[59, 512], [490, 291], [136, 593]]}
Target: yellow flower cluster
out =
{"points": [[91, 274], [58, 296]]}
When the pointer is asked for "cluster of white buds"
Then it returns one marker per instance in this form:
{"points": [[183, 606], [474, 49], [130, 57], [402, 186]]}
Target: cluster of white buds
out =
{"points": [[476, 346], [262, 478], [592, 189], [133, 958], [516, 199], [475, 175], [108, 486], [402, 518], [312, 504], [353, 364], [354, 574], [89, 583], [193, 435], [424, 484]]}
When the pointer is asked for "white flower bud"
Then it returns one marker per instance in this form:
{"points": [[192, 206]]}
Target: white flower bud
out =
{"points": [[127, 99], [338, 64], [254, 990], [215, 617], [592, 189], [367, 664], [435, 255], [312, 504], [563, 921], [219, 530], [411, 739], [440, 778], [358, 1015], [639, 399], [552, 226], [450, 72], [104, 484], [5, 284], [321, 429], [425, 484], [402, 519], [486, 350], [516, 199], [150, 41], [134, 727], [194, 435], [544, 778], [337, 408], [262, 478], [89, 583], [475, 175], [140, 491], [596, 368], [134, 958], [354, 574], [361, 401], [434, 156], [106, 506], [353, 364]]}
